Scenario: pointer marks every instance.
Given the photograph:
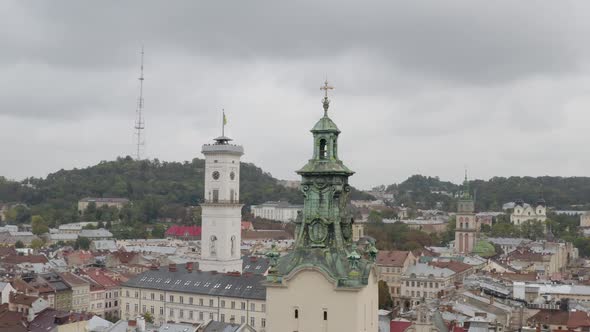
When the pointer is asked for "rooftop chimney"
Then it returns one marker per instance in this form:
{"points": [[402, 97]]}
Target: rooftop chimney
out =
{"points": [[189, 267], [172, 267]]}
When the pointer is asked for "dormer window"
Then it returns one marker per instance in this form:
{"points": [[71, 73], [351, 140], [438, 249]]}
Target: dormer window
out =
{"points": [[323, 149]]}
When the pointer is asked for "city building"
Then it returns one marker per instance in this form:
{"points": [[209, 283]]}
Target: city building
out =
{"points": [[325, 283], [63, 292], [177, 293], [524, 212], [28, 305], [80, 291], [585, 219], [392, 265], [221, 211], [466, 228], [279, 211], [96, 234], [101, 201], [423, 282], [111, 282]]}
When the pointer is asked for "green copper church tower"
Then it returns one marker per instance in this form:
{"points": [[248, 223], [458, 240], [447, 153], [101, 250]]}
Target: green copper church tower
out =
{"points": [[324, 229]]}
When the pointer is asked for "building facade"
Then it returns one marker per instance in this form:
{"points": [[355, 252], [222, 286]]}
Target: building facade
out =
{"points": [[324, 284], [524, 212], [221, 211], [392, 265], [422, 282], [179, 294], [101, 201], [279, 211], [80, 291]]}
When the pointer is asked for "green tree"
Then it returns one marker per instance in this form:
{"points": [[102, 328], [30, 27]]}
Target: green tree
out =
{"points": [[385, 301], [39, 226], [19, 244], [375, 217], [449, 234], [148, 317], [82, 243], [158, 232], [37, 244]]}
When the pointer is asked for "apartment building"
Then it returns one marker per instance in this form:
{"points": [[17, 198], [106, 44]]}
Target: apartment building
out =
{"points": [[179, 294], [421, 282], [392, 265], [80, 291]]}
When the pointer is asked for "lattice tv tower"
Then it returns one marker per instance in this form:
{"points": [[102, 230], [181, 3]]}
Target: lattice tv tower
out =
{"points": [[139, 122]]}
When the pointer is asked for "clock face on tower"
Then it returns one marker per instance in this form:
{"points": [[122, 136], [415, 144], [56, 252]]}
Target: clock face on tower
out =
{"points": [[215, 175], [232, 175]]}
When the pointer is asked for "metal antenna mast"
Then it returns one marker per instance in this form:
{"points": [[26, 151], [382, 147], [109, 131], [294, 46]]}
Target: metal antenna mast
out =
{"points": [[139, 122]]}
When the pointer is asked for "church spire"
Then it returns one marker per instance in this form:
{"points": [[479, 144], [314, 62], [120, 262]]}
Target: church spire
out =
{"points": [[465, 193], [324, 228]]}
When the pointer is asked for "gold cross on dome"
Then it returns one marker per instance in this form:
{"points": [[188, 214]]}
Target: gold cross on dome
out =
{"points": [[326, 87]]}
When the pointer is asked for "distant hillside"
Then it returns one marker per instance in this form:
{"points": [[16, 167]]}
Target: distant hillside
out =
{"points": [[559, 192], [157, 189]]}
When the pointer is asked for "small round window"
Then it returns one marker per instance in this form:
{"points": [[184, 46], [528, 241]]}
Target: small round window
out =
{"points": [[215, 175], [232, 175]]}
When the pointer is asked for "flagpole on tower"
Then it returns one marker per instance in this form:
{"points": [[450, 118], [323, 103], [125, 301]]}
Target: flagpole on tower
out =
{"points": [[223, 122]]}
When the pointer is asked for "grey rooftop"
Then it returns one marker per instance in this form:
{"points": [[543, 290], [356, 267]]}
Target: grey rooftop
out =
{"points": [[200, 282]]}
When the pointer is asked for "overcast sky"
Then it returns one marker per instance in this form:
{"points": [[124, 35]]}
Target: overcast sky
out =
{"points": [[429, 87]]}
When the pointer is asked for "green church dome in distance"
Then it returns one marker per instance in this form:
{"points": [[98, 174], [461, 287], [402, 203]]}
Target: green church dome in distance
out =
{"points": [[484, 248]]}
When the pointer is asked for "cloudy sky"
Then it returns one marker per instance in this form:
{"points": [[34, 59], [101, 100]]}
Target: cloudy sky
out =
{"points": [[429, 87]]}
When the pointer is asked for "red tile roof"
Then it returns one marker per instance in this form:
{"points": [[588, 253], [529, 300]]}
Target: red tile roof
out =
{"points": [[17, 259], [247, 225], [532, 276], [124, 257], [399, 326], [181, 231], [578, 319], [72, 279], [101, 277], [454, 266], [550, 317], [526, 255], [22, 299], [21, 286], [394, 258], [11, 320]]}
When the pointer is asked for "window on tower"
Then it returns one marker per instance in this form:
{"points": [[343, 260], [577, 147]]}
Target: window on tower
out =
{"points": [[215, 195], [323, 149]]}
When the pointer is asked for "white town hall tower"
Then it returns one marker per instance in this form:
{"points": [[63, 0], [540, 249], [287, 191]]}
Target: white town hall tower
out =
{"points": [[221, 209]]}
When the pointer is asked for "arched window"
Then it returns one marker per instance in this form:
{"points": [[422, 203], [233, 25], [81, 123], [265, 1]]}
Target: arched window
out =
{"points": [[233, 245], [335, 148], [231, 195], [296, 313], [323, 149]]}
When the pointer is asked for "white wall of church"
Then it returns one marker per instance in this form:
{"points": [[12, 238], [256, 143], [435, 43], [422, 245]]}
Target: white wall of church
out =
{"points": [[313, 296]]}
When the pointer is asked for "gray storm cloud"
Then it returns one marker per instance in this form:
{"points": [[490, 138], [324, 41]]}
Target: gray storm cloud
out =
{"points": [[421, 87]]}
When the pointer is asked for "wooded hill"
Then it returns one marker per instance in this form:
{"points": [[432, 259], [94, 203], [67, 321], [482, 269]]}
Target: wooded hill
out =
{"points": [[559, 192], [158, 190]]}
